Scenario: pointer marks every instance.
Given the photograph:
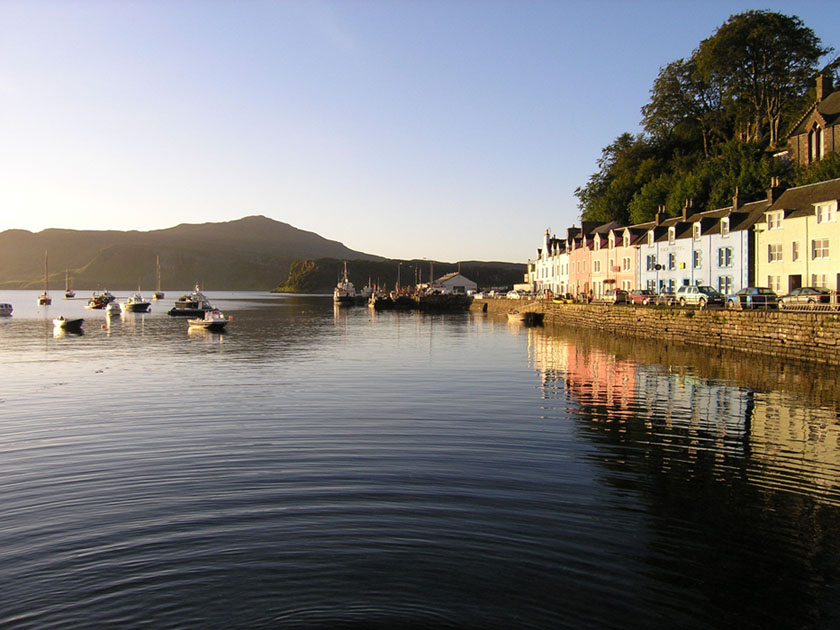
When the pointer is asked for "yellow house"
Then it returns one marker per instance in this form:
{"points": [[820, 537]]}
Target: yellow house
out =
{"points": [[798, 244]]}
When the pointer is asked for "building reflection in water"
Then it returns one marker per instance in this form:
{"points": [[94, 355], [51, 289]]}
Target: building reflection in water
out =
{"points": [[773, 425]]}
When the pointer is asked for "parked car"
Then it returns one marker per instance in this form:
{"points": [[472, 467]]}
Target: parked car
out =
{"points": [[805, 297], [753, 297], [665, 297], [642, 296], [699, 295], [514, 295], [612, 296]]}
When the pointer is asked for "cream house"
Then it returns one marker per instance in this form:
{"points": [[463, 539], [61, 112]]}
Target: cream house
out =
{"points": [[798, 243]]}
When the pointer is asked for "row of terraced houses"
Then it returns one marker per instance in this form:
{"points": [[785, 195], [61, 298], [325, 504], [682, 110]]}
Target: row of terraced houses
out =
{"points": [[787, 240]]}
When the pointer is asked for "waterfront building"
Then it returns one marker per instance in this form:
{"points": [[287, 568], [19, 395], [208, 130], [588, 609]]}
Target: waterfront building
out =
{"points": [[624, 258], [549, 271], [796, 239], [665, 253], [817, 133], [455, 283]]}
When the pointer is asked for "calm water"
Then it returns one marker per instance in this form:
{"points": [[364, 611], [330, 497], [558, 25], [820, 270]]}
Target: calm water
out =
{"points": [[317, 468]]}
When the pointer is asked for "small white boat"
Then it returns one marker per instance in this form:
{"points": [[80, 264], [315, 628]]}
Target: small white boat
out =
{"points": [[5, 309], [136, 304], [528, 318], [113, 309], [212, 320], [344, 293], [70, 325]]}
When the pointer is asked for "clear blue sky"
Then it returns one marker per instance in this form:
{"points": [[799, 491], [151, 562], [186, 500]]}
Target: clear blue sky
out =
{"points": [[443, 129]]}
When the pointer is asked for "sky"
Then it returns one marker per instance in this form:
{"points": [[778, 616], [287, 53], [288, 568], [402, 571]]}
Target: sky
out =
{"points": [[445, 129]]}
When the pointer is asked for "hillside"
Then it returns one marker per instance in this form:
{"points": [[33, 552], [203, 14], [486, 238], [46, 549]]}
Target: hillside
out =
{"points": [[320, 276], [250, 253]]}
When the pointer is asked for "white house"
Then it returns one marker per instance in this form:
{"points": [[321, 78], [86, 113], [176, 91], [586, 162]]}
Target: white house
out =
{"points": [[455, 282]]}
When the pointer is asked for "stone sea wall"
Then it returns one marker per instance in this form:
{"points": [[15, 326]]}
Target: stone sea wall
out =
{"points": [[811, 337]]}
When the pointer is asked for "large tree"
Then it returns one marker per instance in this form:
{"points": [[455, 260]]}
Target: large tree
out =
{"points": [[763, 62], [712, 121]]}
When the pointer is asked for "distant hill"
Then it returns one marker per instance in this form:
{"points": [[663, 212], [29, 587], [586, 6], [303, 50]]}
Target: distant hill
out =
{"points": [[320, 276], [250, 253]]}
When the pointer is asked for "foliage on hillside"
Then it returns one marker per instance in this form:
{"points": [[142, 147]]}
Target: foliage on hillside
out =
{"points": [[321, 276], [713, 123]]}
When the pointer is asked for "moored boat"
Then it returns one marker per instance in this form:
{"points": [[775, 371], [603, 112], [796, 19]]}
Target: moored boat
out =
{"points": [[136, 304], [100, 300], [44, 299], [5, 309], [344, 293], [528, 318], [69, 325], [68, 290], [192, 304], [158, 294], [212, 320], [113, 309]]}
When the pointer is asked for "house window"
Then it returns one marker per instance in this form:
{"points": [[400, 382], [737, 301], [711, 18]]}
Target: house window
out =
{"points": [[626, 240], [725, 284], [774, 252], [650, 238], [794, 251], [774, 220], [695, 231], [625, 264], [596, 266], [672, 235], [597, 244], [612, 240], [724, 257], [819, 248], [825, 213], [651, 263], [672, 261], [698, 259], [724, 227], [651, 284], [818, 280]]}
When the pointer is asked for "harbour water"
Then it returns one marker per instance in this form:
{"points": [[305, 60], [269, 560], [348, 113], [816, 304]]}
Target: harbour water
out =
{"points": [[318, 467]]}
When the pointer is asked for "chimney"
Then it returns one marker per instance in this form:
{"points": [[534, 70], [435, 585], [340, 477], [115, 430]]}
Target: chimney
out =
{"points": [[687, 210], [660, 214], [824, 87], [774, 191], [735, 204]]}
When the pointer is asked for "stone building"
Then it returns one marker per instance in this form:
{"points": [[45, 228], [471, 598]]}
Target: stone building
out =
{"points": [[817, 133]]}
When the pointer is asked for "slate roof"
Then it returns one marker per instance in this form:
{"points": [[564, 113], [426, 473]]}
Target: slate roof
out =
{"points": [[799, 201], [828, 108]]}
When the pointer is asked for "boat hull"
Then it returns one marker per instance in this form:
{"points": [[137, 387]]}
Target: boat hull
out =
{"points": [[69, 325], [187, 312], [141, 307]]}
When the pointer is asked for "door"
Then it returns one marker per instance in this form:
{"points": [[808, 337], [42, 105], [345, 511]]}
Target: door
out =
{"points": [[794, 282]]}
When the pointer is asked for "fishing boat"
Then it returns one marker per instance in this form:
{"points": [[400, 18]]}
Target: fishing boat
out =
{"points": [[69, 325], [212, 320], [192, 304], [345, 292], [5, 309], [100, 300], [68, 291], [158, 294], [136, 304], [44, 299]]}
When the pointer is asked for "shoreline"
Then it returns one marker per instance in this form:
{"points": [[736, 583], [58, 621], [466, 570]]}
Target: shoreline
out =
{"points": [[809, 337]]}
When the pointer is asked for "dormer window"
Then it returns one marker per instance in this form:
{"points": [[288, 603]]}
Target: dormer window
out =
{"points": [[597, 244], [650, 238], [612, 240], [672, 235], [825, 212], [724, 226], [625, 242], [695, 231], [774, 220]]}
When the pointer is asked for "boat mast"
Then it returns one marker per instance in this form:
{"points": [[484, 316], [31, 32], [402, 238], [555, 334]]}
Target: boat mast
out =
{"points": [[46, 271]]}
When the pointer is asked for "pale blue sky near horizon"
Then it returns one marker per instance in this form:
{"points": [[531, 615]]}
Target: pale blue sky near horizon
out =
{"points": [[451, 130]]}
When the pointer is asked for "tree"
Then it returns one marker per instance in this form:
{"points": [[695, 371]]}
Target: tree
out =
{"points": [[763, 61]]}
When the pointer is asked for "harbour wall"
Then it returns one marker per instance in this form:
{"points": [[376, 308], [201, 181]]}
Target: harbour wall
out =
{"points": [[809, 337]]}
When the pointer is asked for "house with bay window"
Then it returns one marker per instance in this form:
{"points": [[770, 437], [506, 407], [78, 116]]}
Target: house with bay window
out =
{"points": [[798, 242]]}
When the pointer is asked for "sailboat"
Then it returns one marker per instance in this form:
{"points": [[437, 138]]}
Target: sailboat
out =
{"points": [[45, 299], [157, 295], [68, 292]]}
